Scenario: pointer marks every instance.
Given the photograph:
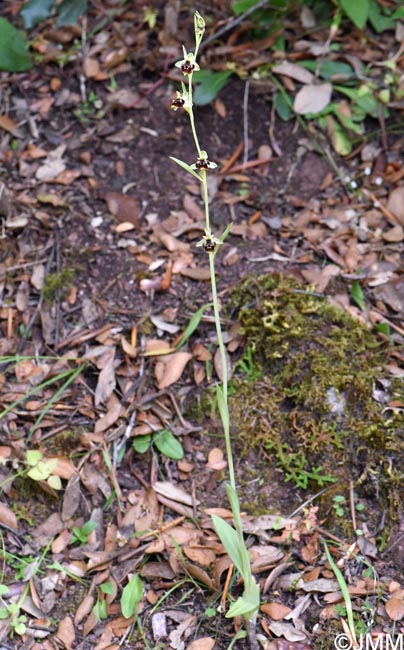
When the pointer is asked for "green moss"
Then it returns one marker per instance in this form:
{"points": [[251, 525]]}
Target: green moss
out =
{"points": [[56, 283], [312, 407]]}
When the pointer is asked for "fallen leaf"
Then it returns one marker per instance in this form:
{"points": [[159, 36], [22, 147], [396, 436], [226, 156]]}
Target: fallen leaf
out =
{"points": [[205, 643], [312, 98], [91, 67], [66, 633], [7, 517], [395, 203], [170, 368], [53, 165], [294, 71], [276, 611], [7, 124], [123, 207], [395, 608], [395, 234], [216, 459]]}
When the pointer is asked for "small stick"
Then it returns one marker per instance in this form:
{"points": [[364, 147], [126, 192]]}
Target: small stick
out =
{"points": [[352, 504], [245, 123], [230, 162]]}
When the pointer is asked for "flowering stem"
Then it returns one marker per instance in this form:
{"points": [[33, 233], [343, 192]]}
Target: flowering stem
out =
{"points": [[223, 356], [191, 116]]}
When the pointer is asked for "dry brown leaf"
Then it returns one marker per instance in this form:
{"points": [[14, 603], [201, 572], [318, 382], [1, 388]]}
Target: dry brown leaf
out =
{"points": [[217, 362], [198, 273], [91, 67], [203, 556], [84, 608], [264, 557], [395, 203], [66, 632], [111, 416], [312, 98], [294, 71], [205, 643], [276, 611], [61, 542], [106, 380], [170, 368], [53, 165], [71, 498], [123, 207], [7, 517], [395, 234], [395, 608], [171, 491], [171, 243], [7, 124], [216, 460]]}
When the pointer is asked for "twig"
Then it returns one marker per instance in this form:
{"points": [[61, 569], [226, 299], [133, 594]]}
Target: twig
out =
{"points": [[245, 123], [352, 504]]}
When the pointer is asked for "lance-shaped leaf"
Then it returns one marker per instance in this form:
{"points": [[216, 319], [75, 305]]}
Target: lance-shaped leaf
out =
{"points": [[187, 168]]}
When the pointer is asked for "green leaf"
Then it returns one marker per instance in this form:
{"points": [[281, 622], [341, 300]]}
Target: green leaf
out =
{"points": [[35, 11], [384, 328], [229, 538], [340, 140], [4, 613], [55, 482], [107, 588], [33, 457], [357, 295], [223, 408], [88, 528], [243, 5], [141, 444], [357, 11], [70, 11], [209, 84], [131, 596], [4, 590], [14, 55], [168, 444], [247, 605], [192, 325], [336, 70], [283, 107], [187, 168], [40, 472], [379, 21]]}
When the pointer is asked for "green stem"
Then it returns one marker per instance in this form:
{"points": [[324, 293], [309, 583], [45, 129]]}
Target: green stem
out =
{"points": [[216, 311], [191, 115], [206, 200]]}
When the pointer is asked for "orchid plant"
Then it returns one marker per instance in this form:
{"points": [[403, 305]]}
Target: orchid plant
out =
{"points": [[247, 605]]}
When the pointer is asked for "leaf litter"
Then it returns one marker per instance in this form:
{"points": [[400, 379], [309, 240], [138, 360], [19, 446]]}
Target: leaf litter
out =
{"points": [[127, 385]]}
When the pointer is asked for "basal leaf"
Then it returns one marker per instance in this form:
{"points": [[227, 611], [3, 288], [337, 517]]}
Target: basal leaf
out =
{"points": [[357, 295], [247, 605], [35, 11], [168, 444], [357, 11], [14, 55], [70, 11], [193, 324], [131, 596], [33, 457], [230, 541], [141, 443], [209, 84]]}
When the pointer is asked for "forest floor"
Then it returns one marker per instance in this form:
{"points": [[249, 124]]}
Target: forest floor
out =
{"points": [[99, 278]]}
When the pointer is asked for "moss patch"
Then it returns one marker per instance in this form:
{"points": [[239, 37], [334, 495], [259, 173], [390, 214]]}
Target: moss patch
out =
{"points": [[306, 397]]}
